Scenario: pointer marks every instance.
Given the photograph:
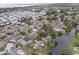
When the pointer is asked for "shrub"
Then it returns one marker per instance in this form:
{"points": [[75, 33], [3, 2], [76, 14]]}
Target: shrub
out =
{"points": [[3, 37], [22, 33], [68, 51], [76, 41]]}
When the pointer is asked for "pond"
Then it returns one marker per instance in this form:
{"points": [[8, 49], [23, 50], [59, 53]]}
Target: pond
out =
{"points": [[63, 42]]}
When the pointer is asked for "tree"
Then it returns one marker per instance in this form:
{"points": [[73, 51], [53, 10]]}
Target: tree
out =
{"points": [[26, 20], [70, 25], [50, 11], [49, 30], [51, 17], [60, 33], [45, 27], [2, 37], [42, 34], [52, 34], [40, 18]]}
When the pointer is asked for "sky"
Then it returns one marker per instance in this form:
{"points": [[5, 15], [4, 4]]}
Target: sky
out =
{"points": [[37, 1]]}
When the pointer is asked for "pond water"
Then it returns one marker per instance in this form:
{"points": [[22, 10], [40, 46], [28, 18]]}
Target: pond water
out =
{"points": [[63, 42]]}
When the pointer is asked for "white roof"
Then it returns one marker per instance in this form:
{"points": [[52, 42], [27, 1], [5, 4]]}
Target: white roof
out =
{"points": [[3, 19], [23, 42], [9, 46], [20, 52], [58, 29], [34, 30]]}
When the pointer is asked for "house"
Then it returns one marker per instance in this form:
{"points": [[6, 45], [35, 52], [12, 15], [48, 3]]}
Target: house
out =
{"points": [[37, 24], [59, 29], [3, 19], [2, 24], [2, 34], [9, 29], [14, 21], [22, 42], [68, 18], [47, 39], [2, 45], [10, 47], [38, 44], [18, 52], [23, 27], [34, 30]]}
